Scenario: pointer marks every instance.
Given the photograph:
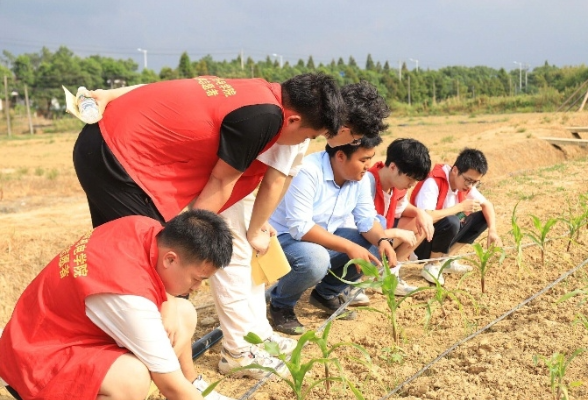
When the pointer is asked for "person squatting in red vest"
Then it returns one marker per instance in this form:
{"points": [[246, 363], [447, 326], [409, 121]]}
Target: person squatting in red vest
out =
{"points": [[460, 212], [89, 325], [407, 162]]}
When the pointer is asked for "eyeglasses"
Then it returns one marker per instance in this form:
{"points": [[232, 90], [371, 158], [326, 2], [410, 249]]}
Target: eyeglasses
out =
{"points": [[470, 182]]}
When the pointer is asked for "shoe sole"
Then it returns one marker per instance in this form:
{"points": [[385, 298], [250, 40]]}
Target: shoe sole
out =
{"points": [[297, 331]]}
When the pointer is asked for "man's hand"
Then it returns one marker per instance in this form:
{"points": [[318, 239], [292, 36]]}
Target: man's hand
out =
{"points": [[260, 239], [385, 248], [493, 239], [356, 251], [170, 318], [101, 96], [405, 236], [470, 206], [424, 223]]}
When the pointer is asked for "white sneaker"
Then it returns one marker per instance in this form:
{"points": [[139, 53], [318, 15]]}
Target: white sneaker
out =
{"points": [[360, 300], [404, 288], [254, 355], [201, 385], [456, 267], [432, 270], [286, 345]]}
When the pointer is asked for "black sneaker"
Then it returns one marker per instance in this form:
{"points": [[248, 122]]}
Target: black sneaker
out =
{"points": [[284, 320], [331, 305]]}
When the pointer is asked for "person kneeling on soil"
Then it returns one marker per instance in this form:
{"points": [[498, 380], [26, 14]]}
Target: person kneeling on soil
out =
{"points": [[460, 212], [89, 325]]}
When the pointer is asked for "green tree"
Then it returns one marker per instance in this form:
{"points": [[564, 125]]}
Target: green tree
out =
{"points": [[310, 63], [369, 64], [185, 69]]}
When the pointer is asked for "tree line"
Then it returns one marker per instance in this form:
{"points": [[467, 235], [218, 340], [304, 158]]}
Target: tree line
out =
{"points": [[446, 90]]}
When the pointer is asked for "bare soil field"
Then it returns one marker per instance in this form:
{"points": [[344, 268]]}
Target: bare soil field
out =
{"points": [[43, 209]]}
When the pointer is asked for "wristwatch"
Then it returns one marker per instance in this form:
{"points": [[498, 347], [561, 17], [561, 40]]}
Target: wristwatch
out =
{"points": [[386, 239]]}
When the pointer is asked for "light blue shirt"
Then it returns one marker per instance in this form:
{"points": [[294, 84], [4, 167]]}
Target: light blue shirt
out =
{"points": [[315, 198]]}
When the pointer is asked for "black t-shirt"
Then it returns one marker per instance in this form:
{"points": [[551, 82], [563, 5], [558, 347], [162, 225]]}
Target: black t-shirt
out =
{"points": [[246, 131]]}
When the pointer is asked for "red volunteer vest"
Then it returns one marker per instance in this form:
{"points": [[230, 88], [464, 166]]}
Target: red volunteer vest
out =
{"points": [[380, 201], [166, 134], [438, 174], [50, 349]]}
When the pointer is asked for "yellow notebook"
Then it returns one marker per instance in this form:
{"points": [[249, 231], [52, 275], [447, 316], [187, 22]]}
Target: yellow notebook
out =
{"points": [[271, 266]]}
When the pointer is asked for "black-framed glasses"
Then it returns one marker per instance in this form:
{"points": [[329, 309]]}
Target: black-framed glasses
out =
{"points": [[471, 182]]}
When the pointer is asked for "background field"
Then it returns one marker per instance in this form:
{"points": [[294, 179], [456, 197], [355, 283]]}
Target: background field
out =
{"points": [[42, 210]]}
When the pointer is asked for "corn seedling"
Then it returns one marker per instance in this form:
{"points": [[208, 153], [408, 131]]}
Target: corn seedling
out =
{"points": [[298, 370], [557, 365], [483, 258], [441, 294], [539, 236], [580, 318], [517, 234], [387, 282], [575, 224]]}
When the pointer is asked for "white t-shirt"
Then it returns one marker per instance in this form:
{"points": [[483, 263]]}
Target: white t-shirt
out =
{"points": [[135, 324], [426, 199], [285, 158]]}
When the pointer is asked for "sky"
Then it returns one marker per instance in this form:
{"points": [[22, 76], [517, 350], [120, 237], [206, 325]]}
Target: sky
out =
{"points": [[431, 33]]}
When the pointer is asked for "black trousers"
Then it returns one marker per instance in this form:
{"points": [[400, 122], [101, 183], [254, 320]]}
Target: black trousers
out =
{"points": [[110, 190], [451, 230]]}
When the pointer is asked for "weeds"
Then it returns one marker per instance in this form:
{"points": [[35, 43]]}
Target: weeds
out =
{"points": [[557, 365]]}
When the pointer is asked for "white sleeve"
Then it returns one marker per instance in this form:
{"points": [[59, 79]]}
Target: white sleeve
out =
{"points": [[401, 206], [135, 324], [427, 197], [285, 158]]}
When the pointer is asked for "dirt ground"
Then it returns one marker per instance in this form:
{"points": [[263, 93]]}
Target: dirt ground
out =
{"points": [[42, 210]]}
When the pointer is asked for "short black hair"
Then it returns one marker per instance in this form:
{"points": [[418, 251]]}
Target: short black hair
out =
{"points": [[348, 149], [410, 156], [318, 100], [366, 109], [199, 235], [471, 159]]}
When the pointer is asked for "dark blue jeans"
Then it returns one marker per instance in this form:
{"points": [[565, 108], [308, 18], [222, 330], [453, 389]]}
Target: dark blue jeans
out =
{"points": [[310, 263]]}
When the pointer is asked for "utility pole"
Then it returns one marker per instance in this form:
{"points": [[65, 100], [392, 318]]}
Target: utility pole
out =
{"points": [[526, 81], [7, 106], [520, 75], [409, 90], [144, 57], [28, 109]]}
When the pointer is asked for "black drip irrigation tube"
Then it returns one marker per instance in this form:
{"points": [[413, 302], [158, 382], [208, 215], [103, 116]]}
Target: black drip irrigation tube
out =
{"points": [[473, 335], [341, 309]]}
